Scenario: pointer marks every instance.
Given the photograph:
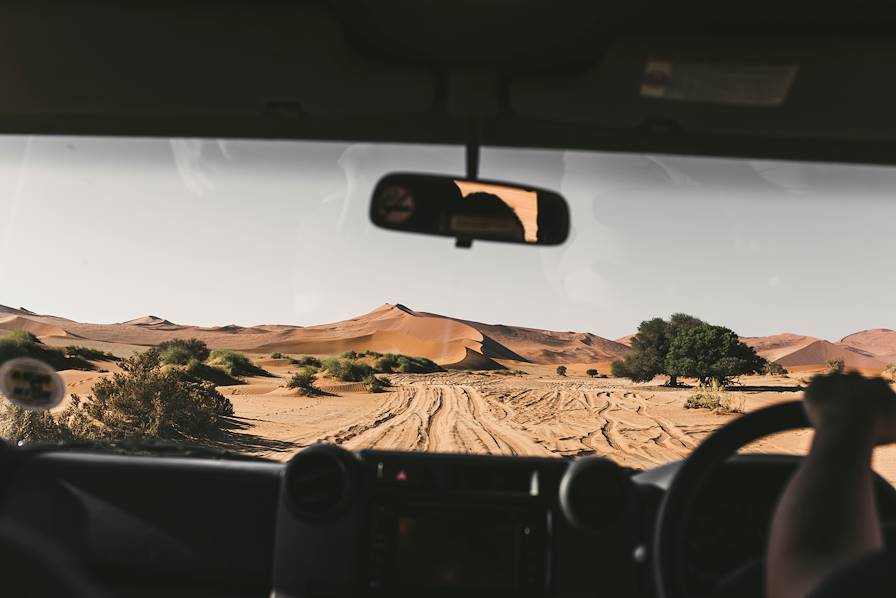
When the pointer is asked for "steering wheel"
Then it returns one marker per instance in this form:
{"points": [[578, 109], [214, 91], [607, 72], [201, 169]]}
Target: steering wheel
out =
{"points": [[670, 532]]}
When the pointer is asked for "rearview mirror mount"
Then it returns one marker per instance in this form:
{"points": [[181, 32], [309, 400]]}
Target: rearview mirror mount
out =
{"points": [[469, 209]]}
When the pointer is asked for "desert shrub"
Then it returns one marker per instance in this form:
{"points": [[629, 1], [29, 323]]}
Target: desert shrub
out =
{"points": [[774, 368], [592, 372], [561, 370], [18, 425], [417, 365], [836, 366], [374, 354], [890, 373], [374, 383], [147, 400], [308, 360], [387, 363], [279, 355], [180, 351], [21, 343], [90, 353], [235, 363], [304, 380], [215, 375], [711, 396], [351, 355], [346, 369]]}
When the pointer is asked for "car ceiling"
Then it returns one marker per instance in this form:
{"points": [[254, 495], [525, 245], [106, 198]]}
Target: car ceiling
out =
{"points": [[518, 73]]}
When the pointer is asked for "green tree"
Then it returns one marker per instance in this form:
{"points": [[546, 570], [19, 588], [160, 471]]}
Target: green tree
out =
{"points": [[592, 372], [561, 370], [774, 368], [711, 354], [650, 347]]}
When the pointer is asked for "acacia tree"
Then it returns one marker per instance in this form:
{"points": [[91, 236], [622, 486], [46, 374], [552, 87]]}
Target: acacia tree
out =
{"points": [[650, 347], [561, 370], [711, 353], [592, 372]]}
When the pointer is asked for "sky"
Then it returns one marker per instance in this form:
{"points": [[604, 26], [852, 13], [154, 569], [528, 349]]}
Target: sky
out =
{"points": [[213, 232]]}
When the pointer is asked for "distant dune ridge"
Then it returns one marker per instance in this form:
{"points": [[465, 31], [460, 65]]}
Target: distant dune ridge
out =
{"points": [[388, 328], [451, 342]]}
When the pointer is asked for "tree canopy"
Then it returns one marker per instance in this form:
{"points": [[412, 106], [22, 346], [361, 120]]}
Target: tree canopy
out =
{"points": [[650, 347], [711, 353]]}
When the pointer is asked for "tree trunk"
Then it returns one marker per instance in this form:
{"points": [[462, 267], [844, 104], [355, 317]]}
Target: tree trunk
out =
{"points": [[673, 380]]}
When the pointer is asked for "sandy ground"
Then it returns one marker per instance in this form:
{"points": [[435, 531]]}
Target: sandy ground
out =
{"points": [[639, 426]]}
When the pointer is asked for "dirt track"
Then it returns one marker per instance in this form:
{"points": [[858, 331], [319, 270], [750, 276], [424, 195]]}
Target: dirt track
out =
{"points": [[638, 427]]}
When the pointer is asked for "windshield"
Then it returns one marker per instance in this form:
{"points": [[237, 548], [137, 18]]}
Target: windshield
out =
{"points": [[234, 294]]}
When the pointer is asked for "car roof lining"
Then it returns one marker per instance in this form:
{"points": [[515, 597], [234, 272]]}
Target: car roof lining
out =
{"points": [[336, 71]]}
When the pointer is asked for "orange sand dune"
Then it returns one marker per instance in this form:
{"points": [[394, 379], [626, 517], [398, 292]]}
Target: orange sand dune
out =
{"points": [[34, 326], [823, 351], [778, 346], [880, 342], [387, 329]]}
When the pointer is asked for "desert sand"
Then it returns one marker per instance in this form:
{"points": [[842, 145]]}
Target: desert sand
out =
{"points": [[502, 394]]}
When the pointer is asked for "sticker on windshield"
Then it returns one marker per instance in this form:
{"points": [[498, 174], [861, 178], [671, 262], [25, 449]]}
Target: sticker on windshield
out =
{"points": [[714, 83], [31, 384]]}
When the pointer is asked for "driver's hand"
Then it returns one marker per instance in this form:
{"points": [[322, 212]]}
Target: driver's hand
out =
{"points": [[852, 406]]}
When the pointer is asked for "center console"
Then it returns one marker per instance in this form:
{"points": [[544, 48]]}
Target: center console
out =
{"points": [[380, 523]]}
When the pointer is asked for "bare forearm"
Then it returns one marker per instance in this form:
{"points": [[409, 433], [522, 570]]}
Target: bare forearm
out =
{"points": [[826, 518]]}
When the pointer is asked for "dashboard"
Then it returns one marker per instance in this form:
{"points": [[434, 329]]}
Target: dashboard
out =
{"points": [[334, 523]]}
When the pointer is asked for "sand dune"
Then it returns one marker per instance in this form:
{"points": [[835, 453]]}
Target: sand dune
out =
{"points": [[820, 352], [778, 346], [387, 329], [879, 342], [35, 327]]}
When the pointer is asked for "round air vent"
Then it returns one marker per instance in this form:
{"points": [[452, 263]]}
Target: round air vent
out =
{"points": [[319, 481], [594, 494]]}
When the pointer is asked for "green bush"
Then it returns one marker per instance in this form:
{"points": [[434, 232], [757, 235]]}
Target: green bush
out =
{"points": [[374, 383], [836, 366], [417, 365], [369, 353], [561, 370], [592, 372], [147, 400], [90, 353], [180, 351], [279, 355], [215, 375], [304, 380], [387, 363], [711, 396], [351, 355], [18, 425], [773, 368], [20, 343], [308, 360], [346, 369], [235, 363]]}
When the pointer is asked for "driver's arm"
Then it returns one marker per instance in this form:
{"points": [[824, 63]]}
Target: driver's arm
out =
{"points": [[827, 517]]}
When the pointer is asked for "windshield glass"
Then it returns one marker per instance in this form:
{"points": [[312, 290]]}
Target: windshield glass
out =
{"points": [[234, 294]]}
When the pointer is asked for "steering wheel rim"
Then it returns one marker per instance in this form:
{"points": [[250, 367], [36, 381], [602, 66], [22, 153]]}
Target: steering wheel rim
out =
{"points": [[673, 515]]}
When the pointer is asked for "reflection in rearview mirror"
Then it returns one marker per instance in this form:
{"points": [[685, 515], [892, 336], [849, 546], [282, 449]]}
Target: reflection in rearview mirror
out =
{"points": [[468, 210]]}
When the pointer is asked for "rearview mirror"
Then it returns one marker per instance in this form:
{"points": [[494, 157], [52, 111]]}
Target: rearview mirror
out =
{"points": [[467, 209]]}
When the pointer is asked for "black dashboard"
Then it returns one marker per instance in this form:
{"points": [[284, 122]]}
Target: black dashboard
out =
{"points": [[334, 523]]}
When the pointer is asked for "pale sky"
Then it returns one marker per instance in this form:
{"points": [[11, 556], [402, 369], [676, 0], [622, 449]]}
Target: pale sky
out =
{"points": [[216, 232]]}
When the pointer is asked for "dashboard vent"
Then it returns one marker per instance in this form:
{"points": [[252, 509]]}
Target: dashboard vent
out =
{"points": [[318, 481]]}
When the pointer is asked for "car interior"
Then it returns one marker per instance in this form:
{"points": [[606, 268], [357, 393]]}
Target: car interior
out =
{"points": [[787, 82]]}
